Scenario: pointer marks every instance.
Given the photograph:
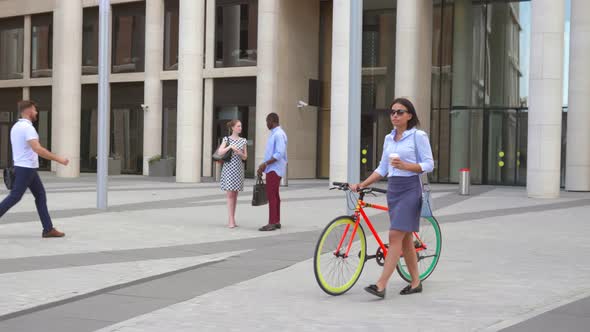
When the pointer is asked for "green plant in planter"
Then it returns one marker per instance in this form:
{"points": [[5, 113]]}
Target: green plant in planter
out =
{"points": [[155, 158]]}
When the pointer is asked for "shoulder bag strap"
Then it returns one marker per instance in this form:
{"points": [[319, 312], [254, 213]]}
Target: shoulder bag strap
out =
{"points": [[423, 176]]}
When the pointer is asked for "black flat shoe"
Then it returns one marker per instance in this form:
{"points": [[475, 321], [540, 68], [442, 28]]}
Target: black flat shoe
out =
{"points": [[375, 291], [409, 290], [269, 227]]}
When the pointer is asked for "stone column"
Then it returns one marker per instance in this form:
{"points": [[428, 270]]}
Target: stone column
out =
{"points": [[577, 173], [267, 79], [413, 58], [152, 118], [66, 93], [545, 93], [190, 91], [346, 84], [208, 143]]}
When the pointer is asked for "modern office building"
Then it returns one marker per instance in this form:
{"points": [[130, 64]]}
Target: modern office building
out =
{"points": [[490, 79]]}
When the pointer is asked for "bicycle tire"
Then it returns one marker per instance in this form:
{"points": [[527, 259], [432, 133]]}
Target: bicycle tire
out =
{"points": [[425, 269], [324, 250]]}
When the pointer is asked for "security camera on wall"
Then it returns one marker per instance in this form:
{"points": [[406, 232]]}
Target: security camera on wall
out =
{"points": [[144, 107], [301, 104]]}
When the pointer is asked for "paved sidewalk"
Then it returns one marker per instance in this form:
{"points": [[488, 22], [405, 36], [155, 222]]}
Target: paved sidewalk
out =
{"points": [[161, 259]]}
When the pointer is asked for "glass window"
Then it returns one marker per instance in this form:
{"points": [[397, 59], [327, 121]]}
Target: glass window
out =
{"points": [[169, 118], [235, 98], [480, 88], [503, 50], [89, 128], [127, 126], [128, 37], [324, 116], [42, 96], [378, 79], [90, 41], [236, 33], [12, 34], [41, 45], [171, 35], [8, 116]]}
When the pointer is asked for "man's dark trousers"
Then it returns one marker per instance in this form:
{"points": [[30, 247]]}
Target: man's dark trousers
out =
{"points": [[28, 178]]}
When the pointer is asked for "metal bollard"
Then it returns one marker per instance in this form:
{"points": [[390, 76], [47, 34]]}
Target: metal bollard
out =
{"points": [[284, 180], [464, 181]]}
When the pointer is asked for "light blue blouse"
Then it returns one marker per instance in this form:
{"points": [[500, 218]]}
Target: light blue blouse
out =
{"points": [[406, 149]]}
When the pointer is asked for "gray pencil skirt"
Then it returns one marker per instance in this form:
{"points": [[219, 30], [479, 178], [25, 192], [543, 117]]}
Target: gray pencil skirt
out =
{"points": [[404, 200]]}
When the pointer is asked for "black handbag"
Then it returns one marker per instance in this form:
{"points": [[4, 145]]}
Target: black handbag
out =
{"points": [[225, 157], [9, 177], [9, 173], [259, 194]]}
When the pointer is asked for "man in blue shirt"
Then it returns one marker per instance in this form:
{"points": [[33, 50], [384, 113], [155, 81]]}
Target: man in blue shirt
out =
{"points": [[275, 167]]}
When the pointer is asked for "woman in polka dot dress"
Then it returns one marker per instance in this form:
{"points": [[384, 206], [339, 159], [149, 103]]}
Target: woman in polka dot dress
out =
{"points": [[232, 172]]}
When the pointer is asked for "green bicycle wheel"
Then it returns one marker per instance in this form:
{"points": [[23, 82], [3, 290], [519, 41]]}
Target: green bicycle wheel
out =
{"points": [[431, 236], [335, 272]]}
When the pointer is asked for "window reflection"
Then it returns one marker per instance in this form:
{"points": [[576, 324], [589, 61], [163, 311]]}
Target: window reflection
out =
{"points": [[90, 41], [236, 33], [169, 118], [378, 79], [42, 97], [479, 90], [8, 115], [128, 38], [235, 98], [41, 45], [12, 35], [171, 35]]}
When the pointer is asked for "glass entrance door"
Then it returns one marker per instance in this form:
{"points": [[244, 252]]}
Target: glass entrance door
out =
{"points": [[247, 115], [127, 138], [375, 125], [505, 147]]}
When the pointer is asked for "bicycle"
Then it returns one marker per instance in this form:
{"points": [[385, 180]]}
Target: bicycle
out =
{"points": [[341, 251]]}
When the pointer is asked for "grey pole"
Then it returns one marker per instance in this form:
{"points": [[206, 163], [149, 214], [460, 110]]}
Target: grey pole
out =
{"points": [[103, 105], [354, 92]]}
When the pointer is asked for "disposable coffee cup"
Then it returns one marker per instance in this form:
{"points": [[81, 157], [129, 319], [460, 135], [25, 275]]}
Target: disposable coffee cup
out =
{"points": [[393, 156]]}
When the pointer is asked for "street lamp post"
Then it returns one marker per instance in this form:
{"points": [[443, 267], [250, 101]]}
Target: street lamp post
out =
{"points": [[103, 105], [354, 93]]}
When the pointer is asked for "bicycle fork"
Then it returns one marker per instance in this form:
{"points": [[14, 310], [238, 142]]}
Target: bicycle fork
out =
{"points": [[349, 245]]}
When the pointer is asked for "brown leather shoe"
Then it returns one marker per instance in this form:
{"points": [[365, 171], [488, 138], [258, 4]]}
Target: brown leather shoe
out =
{"points": [[53, 233]]}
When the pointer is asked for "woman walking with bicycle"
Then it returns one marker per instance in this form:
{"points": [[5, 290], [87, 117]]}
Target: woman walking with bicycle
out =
{"points": [[406, 155], [232, 171]]}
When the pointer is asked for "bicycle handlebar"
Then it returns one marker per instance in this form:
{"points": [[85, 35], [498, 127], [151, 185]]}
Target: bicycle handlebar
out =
{"points": [[346, 186], [378, 190]]}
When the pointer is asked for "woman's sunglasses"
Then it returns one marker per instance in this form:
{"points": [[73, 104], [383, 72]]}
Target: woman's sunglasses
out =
{"points": [[397, 112]]}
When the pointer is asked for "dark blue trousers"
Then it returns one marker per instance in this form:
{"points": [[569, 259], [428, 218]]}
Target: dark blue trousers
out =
{"points": [[28, 178]]}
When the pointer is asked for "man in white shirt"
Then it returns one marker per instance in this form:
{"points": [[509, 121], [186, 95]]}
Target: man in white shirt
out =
{"points": [[26, 150]]}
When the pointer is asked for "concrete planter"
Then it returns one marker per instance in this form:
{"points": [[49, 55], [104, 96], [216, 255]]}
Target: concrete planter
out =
{"points": [[114, 166], [162, 167]]}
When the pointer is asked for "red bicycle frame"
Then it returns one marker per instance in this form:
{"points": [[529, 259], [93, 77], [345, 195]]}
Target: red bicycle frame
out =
{"points": [[360, 212]]}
